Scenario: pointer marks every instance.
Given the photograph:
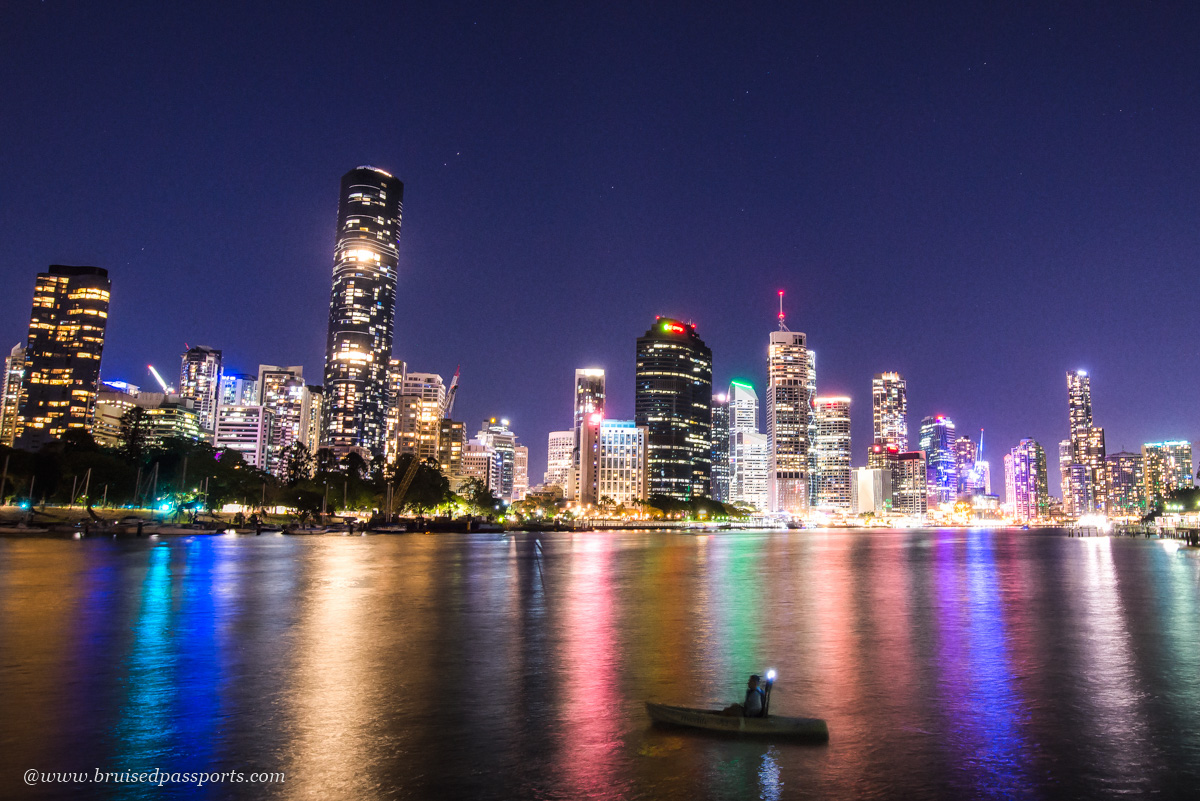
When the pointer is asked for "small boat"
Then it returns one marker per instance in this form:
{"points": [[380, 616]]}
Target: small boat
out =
{"points": [[713, 720], [389, 529]]}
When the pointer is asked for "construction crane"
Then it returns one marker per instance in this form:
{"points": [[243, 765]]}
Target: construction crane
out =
{"points": [[451, 393], [166, 389]]}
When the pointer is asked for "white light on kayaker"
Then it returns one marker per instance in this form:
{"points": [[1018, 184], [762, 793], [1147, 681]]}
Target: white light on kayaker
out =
{"points": [[771, 675]]}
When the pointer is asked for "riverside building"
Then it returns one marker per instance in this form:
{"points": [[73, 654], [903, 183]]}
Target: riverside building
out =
{"points": [[245, 430], [791, 385], [283, 392], [1168, 467], [937, 441], [10, 393], [673, 400], [200, 382], [362, 309], [720, 448], [62, 358], [1125, 478], [832, 447], [1026, 482], [559, 449], [889, 410]]}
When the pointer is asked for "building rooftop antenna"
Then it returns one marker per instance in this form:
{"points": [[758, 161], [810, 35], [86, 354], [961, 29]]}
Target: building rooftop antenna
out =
{"points": [[782, 325]]}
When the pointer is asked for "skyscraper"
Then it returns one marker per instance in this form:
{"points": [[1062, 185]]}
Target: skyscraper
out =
{"points": [[362, 310], [832, 447], [1125, 477], [910, 491], [200, 382], [743, 408], [62, 359], [10, 394], [238, 389], [560, 446], [791, 380], [1087, 444], [720, 448], [1167, 467], [589, 393], [673, 399], [498, 439], [1025, 481], [937, 441], [889, 409], [749, 457], [282, 391]]}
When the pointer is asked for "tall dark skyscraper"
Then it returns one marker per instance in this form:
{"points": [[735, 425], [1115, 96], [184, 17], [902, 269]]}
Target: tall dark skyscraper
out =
{"points": [[720, 448], [673, 399], [62, 368], [362, 311]]}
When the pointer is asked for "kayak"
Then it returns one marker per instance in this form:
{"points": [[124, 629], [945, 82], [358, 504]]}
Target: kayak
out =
{"points": [[713, 720]]}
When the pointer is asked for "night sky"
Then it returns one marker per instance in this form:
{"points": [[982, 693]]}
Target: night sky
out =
{"points": [[981, 196]]}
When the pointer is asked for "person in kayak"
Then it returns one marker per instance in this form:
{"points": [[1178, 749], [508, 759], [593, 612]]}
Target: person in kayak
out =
{"points": [[754, 705]]}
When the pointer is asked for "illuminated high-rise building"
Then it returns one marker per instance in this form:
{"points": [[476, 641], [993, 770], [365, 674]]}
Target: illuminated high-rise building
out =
{"points": [[910, 493], [743, 408], [832, 447], [520, 473], [420, 405], [282, 391], [498, 439], [889, 409], [966, 453], [589, 393], [452, 440], [245, 429], [62, 357], [720, 448], [559, 449], [362, 311], [613, 461], [937, 441], [1087, 444], [1026, 482], [10, 394], [200, 382], [1167, 467], [237, 389], [1125, 494], [791, 385], [673, 399], [749, 459]]}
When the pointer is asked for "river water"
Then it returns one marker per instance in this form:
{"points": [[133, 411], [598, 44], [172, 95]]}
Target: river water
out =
{"points": [[948, 664]]}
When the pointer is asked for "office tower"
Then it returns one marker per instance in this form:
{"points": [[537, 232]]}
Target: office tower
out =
{"points": [[520, 473], [391, 437], [316, 417], [673, 399], [613, 461], [966, 453], [245, 430], [452, 438], [889, 409], [882, 456], [481, 462], [420, 405], [1087, 442], [497, 438], [832, 447], [810, 493], [10, 394], [720, 448], [791, 382], [589, 393], [1093, 456], [238, 389], [362, 309], [743, 408], [1167, 467], [62, 356], [1125, 479], [163, 416], [871, 491], [749, 468], [559, 450], [1065, 459], [1026, 482], [200, 381], [937, 441], [283, 392], [910, 491]]}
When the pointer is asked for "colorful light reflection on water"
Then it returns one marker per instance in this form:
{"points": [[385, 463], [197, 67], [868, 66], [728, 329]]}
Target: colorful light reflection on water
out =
{"points": [[948, 664]]}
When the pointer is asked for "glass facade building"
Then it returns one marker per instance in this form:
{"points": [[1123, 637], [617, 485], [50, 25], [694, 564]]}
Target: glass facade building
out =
{"points": [[200, 382], [889, 410], [832, 447], [673, 399], [791, 384], [62, 359], [362, 311]]}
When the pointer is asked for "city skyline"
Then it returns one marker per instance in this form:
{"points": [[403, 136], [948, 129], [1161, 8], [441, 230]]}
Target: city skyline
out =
{"points": [[875, 244]]}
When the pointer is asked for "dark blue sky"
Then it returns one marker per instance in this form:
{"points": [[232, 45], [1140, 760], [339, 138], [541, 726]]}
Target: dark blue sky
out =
{"points": [[980, 195]]}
